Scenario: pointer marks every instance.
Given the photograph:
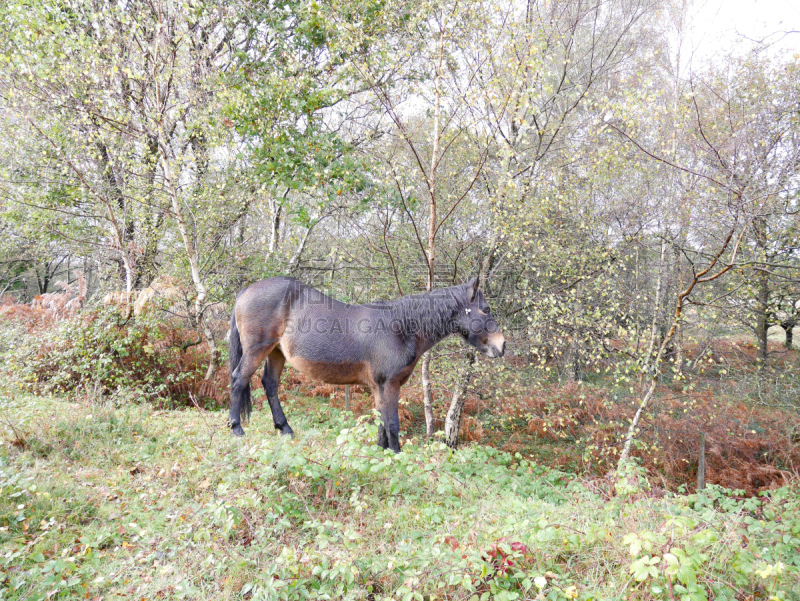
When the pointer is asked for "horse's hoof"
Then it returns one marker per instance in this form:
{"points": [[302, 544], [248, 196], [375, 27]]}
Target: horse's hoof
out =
{"points": [[237, 429], [290, 434]]}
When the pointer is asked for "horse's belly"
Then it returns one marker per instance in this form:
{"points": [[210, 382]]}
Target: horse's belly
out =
{"points": [[331, 373], [332, 360]]}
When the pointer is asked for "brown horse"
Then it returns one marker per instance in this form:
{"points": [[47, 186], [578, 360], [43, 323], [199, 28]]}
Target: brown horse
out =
{"points": [[376, 345]]}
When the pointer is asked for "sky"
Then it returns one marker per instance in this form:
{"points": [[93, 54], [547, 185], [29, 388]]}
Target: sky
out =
{"points": [[718, 24]]}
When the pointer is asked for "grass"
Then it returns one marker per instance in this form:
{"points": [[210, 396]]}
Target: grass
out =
{"points": [[105, 503]]}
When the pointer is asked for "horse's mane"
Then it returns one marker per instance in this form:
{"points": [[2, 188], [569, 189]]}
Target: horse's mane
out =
{"points": [[429, 313]]}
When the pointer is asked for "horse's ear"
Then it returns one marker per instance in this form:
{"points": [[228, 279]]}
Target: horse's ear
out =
{"points": [[472, 287]]}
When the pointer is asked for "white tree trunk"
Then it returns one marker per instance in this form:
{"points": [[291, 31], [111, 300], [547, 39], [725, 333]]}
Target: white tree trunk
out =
{"points": [[194, 264], [298, 254], [452, 423], [427, 394], [276, 209], [653, 365], [426, 358]]}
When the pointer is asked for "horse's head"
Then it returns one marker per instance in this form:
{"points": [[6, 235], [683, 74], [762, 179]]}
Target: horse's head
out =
{"points": [[477, 326]]}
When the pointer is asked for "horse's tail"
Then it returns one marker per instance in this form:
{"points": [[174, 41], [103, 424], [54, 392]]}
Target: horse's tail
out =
{"points": [[235, 354]]}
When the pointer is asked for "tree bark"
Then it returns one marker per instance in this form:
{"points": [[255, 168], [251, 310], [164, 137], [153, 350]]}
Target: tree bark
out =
{"points": [[575, 354], [762, 297], [276, 208], [701, 463], [191, 254], [788, 327], [294, 263], [426, 393], [127, 231], [452, 423], [679, 354], [275, 229], [657, 301]]}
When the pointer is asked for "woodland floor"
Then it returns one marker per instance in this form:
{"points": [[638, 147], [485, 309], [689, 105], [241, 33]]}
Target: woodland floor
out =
{"points": [[751, 423], [105, 503]]}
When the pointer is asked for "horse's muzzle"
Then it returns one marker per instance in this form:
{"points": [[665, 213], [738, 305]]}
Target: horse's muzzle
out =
{"points": [[497, 346], [494, 352]]}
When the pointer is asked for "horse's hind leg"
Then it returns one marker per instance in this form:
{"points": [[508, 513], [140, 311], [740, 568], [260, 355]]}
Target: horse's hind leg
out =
{"points": [[240, 388], [270, 380]]}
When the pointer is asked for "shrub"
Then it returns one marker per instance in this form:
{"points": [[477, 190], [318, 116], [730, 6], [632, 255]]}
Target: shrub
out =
{"points": [[99, 355]]}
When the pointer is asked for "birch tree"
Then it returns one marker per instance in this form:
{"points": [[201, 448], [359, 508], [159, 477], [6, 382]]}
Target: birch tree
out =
{"points": [[423, 82], [744, 147], [540, 74]]}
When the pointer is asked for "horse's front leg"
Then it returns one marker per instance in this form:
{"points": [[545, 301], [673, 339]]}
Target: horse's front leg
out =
{"points": [[383, 439], [389, 430]]}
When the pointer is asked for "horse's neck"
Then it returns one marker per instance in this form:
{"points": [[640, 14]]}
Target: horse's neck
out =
{"points": [[433, 325], [426, 343]]}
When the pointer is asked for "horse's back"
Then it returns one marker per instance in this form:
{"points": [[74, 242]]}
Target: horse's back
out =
{"points": [[277, 289]]}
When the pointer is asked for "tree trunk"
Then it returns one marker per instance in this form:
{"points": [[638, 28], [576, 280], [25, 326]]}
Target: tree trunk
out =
{"points": [[679, 355], [151, 229], [276, 208], [147, 267], [701, 463], [788, 327], [191, 253], [653, 365], [294, 263], [426, 393], [426, 358], [42, 282], [575, 354], [213, 362], [452, 423], [654, 325], [125, 234], [762, 323], [275, 230], [129, 281], [762, 297]]}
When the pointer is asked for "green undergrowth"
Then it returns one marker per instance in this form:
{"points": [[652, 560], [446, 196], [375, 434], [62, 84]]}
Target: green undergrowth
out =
{"points": [[131, 503]]}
